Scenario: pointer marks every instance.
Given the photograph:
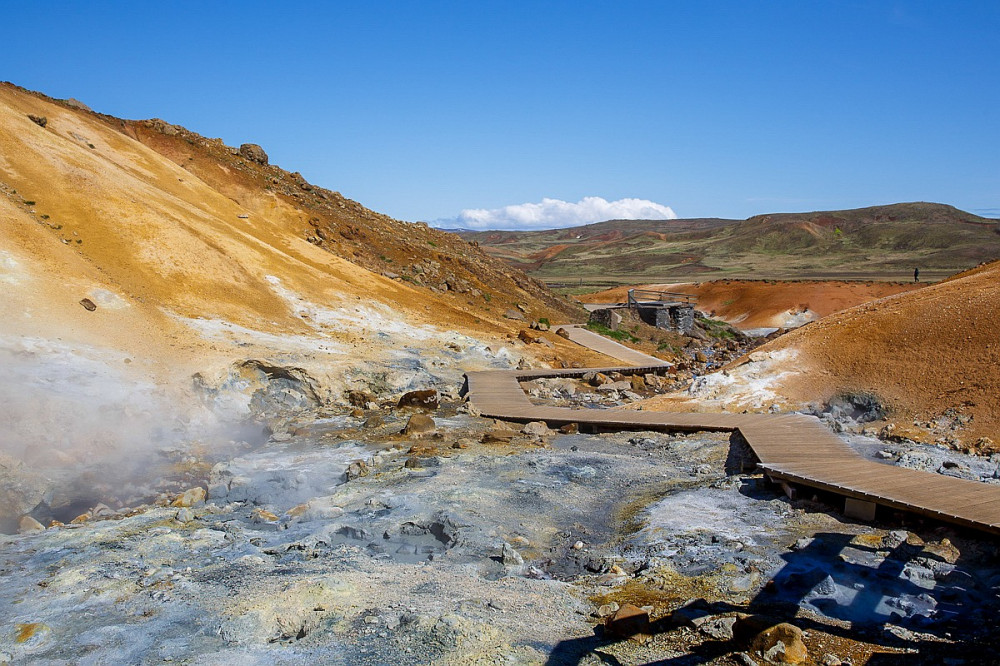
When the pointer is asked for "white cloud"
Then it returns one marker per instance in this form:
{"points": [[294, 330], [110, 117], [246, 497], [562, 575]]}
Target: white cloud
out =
{"points": [[555, 214]]}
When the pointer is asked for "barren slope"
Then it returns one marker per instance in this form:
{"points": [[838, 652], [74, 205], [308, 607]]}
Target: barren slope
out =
{"points": [[198, 259], [932, 356]]}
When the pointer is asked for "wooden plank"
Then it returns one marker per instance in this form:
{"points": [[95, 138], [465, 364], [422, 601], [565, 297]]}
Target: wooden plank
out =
{"points": [[796, 448]]}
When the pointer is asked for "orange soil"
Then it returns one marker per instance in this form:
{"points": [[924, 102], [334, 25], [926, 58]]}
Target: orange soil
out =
{"points": [[90, 212], [763, 304], [920, 353]]}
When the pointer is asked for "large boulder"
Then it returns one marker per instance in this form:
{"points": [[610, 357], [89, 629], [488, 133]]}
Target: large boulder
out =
{"points": [[782, 644], [254, 153]]}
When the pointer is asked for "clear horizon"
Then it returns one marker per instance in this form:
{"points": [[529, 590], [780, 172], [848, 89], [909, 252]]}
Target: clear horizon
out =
{"points": [[550, 114]]}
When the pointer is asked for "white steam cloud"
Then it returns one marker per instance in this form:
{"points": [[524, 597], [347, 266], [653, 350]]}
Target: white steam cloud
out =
{"points": [[555, 214]]}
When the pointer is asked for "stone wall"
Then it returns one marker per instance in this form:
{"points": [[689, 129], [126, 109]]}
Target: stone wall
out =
{"points": [[606, 317], [679, 317]]}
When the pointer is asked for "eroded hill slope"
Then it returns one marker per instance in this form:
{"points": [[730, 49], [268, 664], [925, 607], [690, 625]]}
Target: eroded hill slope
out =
{"points": [[930, 356]]}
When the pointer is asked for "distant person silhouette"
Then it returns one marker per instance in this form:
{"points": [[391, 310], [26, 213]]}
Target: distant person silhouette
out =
{"points": [[916, 275]]}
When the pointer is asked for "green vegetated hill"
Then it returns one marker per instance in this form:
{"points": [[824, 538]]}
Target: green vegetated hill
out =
{"points": [[881, 242]]}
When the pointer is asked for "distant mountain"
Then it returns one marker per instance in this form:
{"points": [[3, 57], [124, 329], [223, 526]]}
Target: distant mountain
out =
{"points": [[880, 242]]}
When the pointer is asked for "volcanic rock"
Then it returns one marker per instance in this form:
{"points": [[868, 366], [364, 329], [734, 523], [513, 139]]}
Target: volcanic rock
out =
{"points": [[513, 314], [420, 424], [88, 304], [191, 497], [782, 644], [426, 399], [562, 333], [629, 622], [528, 336], [254, 153], [28, 524], [41, 121]]}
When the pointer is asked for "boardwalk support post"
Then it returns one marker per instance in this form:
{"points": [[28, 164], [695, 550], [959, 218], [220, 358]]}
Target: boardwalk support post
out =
{"points": [[859, 509]]}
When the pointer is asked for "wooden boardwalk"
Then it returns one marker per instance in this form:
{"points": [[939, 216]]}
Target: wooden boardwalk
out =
{"points": [[792, 449]]}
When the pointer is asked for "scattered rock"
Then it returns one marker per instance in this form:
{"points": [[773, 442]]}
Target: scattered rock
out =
{"points": [[830, 660], [254, 153], [261, 516], [782, 644], [527, 336], [356, 469], [570, 429], [562, 333], [509, 557], [598, 379], [28, 524], [513, 314], [77, 104], [629, 622], [638, 383], [360, 398], [719, 628], [536, 429], [184, 515], [608, 609], [191, 497], [88, 304], [499, 436], [420, 424], [374, 421], [425, 399], [41, 121]]}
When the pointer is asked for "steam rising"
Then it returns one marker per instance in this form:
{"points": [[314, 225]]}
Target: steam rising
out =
{"points": [[78, 426]]}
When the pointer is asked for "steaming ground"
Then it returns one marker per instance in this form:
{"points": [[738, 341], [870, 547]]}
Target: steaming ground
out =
{"points": [[447, 550]]}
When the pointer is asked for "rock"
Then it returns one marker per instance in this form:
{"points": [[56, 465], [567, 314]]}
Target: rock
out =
{"points": [[782, 644], [261, 516], [27, 524], [77, 104], [638, 383], [88, 304], [599, 379], [184, 515], [356, 469], [570, 429], [191, 497], [536, 429], [830, 660], [578, 545], [425, 399], [629, 622], [526, 336], [374, 421], [700, 357], [21, 490], [41, 121], [719, 628], [608, 609], [420, 424], [510, 557], [254, 153], [513, 314], [498, 436], [360, 398], [562, 333], [744, 659]]}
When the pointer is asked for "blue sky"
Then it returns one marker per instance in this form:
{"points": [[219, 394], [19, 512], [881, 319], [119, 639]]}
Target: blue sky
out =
{"points": [[424, 109]]}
